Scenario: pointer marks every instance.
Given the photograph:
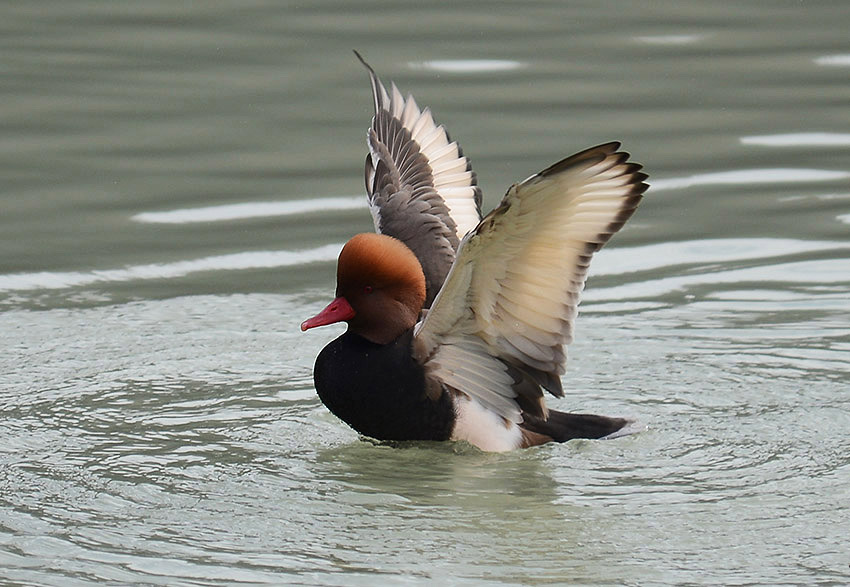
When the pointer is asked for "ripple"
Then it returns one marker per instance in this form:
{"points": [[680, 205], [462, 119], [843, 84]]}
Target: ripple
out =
{"points": [[45, 280], [800, 139], [749, 176], [250, 210], [834, 60], [467, 65], [670, 39], [817, 197], [704, 251], [801, 273]]}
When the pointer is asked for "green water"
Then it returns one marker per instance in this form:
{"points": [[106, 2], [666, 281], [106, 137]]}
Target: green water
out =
{"points": [[177, 181]]}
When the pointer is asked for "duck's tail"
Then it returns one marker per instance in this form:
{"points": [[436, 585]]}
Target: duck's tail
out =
{"points": [[561, 427]]}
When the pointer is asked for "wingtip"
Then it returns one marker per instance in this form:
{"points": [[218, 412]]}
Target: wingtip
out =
{"points": [[378, 91], [363, 61], [611, 146], [372, 73], [596, 154]]}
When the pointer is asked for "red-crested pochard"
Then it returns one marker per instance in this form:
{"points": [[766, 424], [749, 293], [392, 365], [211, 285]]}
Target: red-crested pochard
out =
{"points": [[456, 324]]}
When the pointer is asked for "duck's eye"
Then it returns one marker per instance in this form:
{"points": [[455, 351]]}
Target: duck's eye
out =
{"points": [[368, 289]]}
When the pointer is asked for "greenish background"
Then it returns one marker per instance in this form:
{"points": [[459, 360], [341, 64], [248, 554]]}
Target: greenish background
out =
{"points": [[159, 424]]}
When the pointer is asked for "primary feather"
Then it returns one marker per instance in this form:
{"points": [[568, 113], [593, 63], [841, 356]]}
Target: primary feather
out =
{"points": [[498, 328], [422, 190]]}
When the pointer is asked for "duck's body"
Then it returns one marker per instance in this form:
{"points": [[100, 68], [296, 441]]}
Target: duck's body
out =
{"points": [[501, 293], [381, 391], [378, 389]]}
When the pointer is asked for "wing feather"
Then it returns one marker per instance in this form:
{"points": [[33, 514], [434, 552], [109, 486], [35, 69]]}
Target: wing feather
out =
{"points": [[413, 161], [465, 366], [512, 295]]}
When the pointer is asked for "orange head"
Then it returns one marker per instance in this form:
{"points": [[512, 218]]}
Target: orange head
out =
{"points": [[380, 289]]}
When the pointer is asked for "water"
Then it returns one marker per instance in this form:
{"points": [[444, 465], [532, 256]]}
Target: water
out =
{"points": [[178, 178]]}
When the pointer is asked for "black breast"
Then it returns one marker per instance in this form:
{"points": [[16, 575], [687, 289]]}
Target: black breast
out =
{"points": [[379, 390]]}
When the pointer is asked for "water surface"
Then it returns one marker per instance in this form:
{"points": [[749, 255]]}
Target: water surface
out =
{"points": [[178, 180]]}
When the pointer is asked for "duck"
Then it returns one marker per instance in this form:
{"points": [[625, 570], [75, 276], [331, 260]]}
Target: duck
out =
{"points": [[458, 323]]}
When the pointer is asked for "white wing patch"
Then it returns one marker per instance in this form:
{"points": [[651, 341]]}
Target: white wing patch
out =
{"points": [[512, 295], [465, 364], [453, 178]]}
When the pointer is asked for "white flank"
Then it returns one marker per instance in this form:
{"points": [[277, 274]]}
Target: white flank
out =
{"points": [[482, 428]]}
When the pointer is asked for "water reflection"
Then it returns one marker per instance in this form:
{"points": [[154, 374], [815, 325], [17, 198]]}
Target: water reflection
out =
{"points": [[801, 274], [748, 176], [619, 260], [611, 261], [801, 139], [466, 65], [251, 210], [834, 60], [671, 39], [442, 473], [236, 261]]}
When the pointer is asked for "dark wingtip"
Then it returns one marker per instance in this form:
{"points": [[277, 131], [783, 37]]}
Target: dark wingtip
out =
{"points": [[597, 153], [363, 61], [373, 78], [366, 65]]}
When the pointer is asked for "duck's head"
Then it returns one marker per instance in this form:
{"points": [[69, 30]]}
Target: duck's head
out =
{"points": [[380, 289]]}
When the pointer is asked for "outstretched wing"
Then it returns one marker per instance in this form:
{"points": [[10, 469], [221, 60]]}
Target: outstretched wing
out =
{"points": [[497, 330], [421, 188]]}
